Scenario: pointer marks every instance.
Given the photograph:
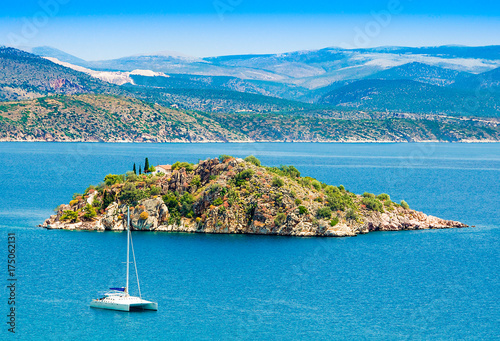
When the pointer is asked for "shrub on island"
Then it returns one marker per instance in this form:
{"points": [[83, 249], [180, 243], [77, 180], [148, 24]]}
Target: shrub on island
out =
{"points": [[89, 212], [373, 204], [186, 165], [351, 215], [70, 216], [334, 221], [324, 213], [280, 219], [277, 182], [383, 197], [242, 177], [223, 158], [404, 205], [253, 159]]}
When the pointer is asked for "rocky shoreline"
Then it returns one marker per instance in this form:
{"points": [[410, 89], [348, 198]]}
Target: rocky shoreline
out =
{"points": [[237, 197]]}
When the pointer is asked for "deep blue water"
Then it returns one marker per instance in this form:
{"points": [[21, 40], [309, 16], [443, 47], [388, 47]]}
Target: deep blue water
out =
{"points": [[439, 284]]}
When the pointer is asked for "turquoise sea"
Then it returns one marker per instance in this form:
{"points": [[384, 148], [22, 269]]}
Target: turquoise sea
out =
{"points": [[410, 285]]}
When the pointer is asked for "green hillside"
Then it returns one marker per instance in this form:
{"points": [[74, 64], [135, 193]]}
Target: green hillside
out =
{"points": [[420, 72], [107, 118], [413, 97], [104, 118], [24, 76], [213, 100], [483, 82], [224, 83]]}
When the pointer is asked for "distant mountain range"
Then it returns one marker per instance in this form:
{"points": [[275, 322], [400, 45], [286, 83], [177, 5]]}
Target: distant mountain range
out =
{"points": [[311, 69], [26, 76], [390, 94], [449, 78]]}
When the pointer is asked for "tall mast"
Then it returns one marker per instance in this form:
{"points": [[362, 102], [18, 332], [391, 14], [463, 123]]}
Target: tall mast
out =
{"points": [[128, 246]]}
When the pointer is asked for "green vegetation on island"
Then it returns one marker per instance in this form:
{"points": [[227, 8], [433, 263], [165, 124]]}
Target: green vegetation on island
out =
{"points": [[232, 195]]}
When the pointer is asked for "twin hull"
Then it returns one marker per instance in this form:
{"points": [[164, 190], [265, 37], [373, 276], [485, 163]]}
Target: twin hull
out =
{"points": [[124, 306]]}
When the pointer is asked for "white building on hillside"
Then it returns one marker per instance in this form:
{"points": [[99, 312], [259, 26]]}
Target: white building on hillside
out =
{"points": [[164, 169]]}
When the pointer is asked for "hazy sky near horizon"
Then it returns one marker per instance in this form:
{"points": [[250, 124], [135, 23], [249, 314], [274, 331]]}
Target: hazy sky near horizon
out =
{"points": [[110, 29]]}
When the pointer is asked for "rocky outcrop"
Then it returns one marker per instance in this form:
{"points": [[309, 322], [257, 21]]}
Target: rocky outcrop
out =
{"points": [[112, 218], [236, 196], [407, 219], [149, 214]]}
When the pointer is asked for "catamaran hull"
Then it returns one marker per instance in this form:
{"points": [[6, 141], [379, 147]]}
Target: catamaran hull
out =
{"points": [[124, 306], [144, 306]]}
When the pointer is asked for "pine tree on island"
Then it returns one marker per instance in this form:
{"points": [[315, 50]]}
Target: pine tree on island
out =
{"points": [[134, 170], [146, 166], [107, 199], [140, 171]]}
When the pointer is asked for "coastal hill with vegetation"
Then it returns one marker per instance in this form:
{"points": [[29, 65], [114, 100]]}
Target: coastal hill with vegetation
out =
{"points": [[232, 195], [111, 118], [96, 118]]}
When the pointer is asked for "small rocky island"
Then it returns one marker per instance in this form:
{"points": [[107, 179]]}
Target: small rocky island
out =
{"points": [[232, 195]]}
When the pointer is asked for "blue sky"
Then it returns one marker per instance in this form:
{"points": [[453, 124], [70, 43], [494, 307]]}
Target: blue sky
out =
{"points": [[110, 29]]}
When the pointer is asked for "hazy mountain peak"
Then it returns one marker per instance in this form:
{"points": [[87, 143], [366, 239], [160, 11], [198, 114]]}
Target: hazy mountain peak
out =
{"points": [[48, 51], [420, 72], [166, 53]]}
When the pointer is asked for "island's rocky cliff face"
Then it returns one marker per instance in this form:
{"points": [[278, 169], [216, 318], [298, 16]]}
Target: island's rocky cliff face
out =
{"points": [[236, 196]]}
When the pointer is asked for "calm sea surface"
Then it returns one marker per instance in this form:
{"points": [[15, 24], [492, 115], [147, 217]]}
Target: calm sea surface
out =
{"points": [[439, 284]]}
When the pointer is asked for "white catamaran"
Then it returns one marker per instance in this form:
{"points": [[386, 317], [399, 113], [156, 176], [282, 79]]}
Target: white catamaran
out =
{"points": [[119, 298]]}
